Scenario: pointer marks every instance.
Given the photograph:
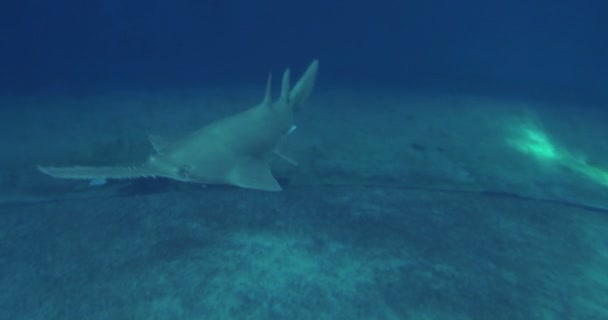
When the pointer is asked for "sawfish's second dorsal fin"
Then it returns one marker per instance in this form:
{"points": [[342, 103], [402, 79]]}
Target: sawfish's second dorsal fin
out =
{"points": [[285, 85], [268, 94]]}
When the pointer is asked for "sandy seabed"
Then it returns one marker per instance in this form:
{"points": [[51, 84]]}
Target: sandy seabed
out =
{"points": [[403, 206]]}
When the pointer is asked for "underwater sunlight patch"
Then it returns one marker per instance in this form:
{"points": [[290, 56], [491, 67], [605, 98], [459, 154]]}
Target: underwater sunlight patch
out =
{"points": [[536, 143], [530, 139]]}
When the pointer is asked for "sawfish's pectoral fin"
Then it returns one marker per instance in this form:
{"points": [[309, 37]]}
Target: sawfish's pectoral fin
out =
{"points": [[279, 153], [98, 173], [254, 173]]}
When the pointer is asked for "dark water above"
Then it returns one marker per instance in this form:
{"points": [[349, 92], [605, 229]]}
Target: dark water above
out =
{"points": [[552, 49]]}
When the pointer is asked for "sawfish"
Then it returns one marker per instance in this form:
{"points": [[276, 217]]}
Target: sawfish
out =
{"points": [[230, 151]]}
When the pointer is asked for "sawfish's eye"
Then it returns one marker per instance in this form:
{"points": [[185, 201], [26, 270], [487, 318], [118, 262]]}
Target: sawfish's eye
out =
{"points": [[184, 172]]}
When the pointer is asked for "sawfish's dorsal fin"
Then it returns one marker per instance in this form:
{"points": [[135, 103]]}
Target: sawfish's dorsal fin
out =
{"points": [[285, 87], [158, 142], [99, 173], [254, 173], [268, 95]]}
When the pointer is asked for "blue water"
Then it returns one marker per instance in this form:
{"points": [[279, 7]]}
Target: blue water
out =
{"points": [[546, 48], [451, 162]]}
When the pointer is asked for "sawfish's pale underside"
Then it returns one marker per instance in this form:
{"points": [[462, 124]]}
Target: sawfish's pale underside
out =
{"points": [[229, 151]]}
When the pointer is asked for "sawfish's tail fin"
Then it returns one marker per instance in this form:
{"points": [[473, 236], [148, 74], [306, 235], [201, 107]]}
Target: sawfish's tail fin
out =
{"points": [[303, 88], [98, 173]]}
